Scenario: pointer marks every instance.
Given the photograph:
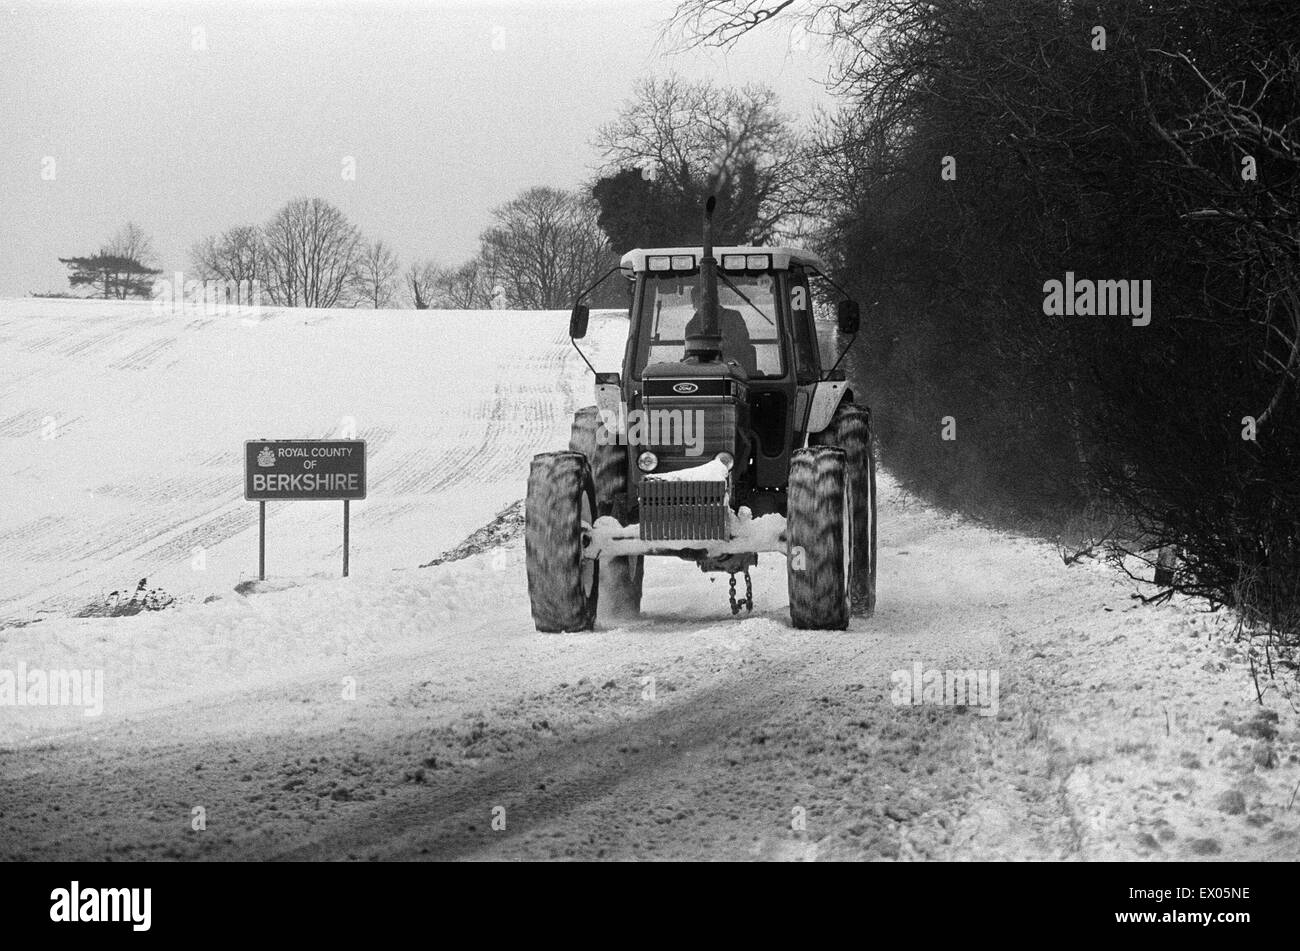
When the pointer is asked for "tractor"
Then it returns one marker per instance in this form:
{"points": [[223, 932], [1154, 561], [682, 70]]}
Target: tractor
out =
{"points": [[722, 438]]}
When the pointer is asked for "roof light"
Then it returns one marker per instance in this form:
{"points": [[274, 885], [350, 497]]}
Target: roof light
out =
{"points": [[659, 262], [733, 262], [758, 262], [683, 262]]}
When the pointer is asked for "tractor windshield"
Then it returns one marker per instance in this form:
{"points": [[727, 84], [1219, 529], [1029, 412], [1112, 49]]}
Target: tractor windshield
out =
{"points": [[746, 312]]}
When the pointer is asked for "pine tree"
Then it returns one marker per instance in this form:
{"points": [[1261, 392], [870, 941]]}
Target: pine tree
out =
{"points": [[114, 275]]}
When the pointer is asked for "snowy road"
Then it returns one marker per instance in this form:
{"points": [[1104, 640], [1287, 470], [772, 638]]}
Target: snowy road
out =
{"points": [[414, 713], [747, 722]]}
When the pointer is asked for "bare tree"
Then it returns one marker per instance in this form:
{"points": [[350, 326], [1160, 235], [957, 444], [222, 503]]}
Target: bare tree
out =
{"points": [[696, 138], [419, 283], [545, 248], [132, 243], [723, 22], [375, 280], [238, 257], [312, 254], [463, 288], [1254, 232]]}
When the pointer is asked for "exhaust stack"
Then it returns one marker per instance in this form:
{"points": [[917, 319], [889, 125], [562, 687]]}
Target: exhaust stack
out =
{"points": [[705, 345]]}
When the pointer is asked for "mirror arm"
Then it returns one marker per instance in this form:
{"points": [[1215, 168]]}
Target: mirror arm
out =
{"points": [[600, 281], [828, 280], [588, 362], [847, 348]]}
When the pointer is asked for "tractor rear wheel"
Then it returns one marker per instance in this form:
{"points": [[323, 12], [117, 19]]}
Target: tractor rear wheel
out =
{"points": [[620, 578], [850, 429], [819, 530], [563, 585], [582, 434]]}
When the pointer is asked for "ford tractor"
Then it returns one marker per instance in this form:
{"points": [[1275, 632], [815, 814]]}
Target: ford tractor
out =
{"points": [[721, 439]]}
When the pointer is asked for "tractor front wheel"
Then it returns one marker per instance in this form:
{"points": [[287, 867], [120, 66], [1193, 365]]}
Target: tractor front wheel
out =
{"points": [[819, 532], [620, 578], [563, 584], [850, 430]]}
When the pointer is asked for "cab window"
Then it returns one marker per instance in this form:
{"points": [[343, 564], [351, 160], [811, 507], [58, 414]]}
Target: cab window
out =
{"points": [[802, 326], [747, 314]]}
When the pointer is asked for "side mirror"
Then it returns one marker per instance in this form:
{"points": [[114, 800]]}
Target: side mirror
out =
{"points": [[578, 321], [847, 317]]}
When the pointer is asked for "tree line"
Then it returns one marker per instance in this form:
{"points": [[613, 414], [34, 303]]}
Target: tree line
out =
{"points": [[673, 143], [543, 247], [542, 244]]}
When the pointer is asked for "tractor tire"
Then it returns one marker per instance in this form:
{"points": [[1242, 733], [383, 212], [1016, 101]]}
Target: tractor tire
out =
{"points": [[582, 434], [608, 459], [563, 586], [850, 429], [621, 578], [819, 529]]}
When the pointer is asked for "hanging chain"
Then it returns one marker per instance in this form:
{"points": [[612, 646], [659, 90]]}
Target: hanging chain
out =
{"points": [[748, 602]]}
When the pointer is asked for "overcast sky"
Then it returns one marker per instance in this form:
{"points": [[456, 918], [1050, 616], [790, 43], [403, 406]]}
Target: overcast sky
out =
{"points": [[189, 118]]}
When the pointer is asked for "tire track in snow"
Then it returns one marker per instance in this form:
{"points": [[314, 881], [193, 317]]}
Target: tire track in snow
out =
{"points": [[498, 448]]}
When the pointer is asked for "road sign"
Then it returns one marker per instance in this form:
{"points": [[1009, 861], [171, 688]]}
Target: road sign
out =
{"points": [[304, 470]]}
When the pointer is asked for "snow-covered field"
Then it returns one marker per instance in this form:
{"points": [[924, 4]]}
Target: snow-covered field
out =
{"points": [[407, 712], [123, 434]]}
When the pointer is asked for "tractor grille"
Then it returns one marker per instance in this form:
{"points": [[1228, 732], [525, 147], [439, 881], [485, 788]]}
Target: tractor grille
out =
{"points": [[712, 428], [675, 511]]}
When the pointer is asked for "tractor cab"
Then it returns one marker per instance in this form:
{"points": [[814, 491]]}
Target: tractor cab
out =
{"points": [[769, 368]]}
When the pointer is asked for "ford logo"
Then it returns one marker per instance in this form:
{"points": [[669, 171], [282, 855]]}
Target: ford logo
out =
{"points": [[685, 388]]}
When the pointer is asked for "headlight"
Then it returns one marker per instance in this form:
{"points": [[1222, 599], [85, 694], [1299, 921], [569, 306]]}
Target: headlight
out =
{"points": [[647, 462], [726, 459]]}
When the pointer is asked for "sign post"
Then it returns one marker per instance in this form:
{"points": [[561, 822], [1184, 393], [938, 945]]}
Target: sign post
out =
{"points": [[303, 470], [261, 541]]}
